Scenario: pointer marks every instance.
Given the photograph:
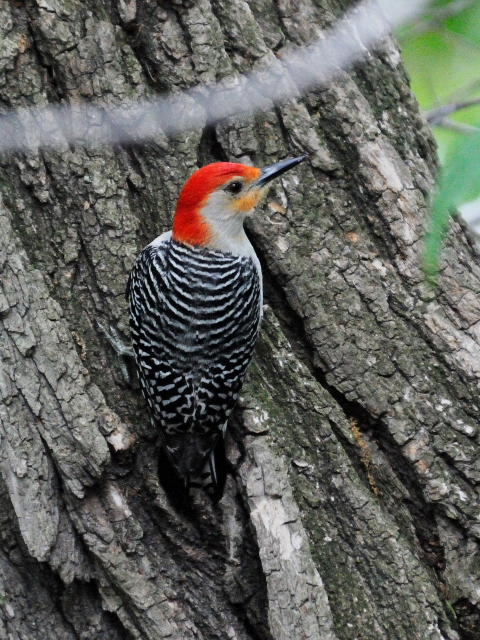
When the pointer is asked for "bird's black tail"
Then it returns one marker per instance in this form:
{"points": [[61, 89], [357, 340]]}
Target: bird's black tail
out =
{"points": [[210, 476]]}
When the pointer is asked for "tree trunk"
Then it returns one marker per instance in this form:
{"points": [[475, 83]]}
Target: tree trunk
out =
{"points": [[351, 508]]}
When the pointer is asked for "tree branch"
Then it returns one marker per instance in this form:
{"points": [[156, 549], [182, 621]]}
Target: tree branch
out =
{"points": [[437, 116]]}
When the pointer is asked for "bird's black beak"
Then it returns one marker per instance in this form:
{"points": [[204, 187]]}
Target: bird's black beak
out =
{"points": [[275, 170]]}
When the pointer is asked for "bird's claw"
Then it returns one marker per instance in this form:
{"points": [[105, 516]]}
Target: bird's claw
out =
{"points": [[121, 349]]}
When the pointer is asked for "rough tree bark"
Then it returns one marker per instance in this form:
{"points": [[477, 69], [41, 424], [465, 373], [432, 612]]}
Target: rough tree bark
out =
{"points": [[352, 506]]}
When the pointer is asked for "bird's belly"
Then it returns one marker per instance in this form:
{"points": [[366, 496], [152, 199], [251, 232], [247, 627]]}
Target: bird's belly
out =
{"points": [[203, 328]]}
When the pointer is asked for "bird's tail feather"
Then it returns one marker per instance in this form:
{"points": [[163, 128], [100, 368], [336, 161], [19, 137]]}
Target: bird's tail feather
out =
{"points": [[211, 476], [205, 478]]}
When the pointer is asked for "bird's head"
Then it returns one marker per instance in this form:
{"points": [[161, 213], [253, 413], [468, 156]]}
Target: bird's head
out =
{"points": [[215, 199]]}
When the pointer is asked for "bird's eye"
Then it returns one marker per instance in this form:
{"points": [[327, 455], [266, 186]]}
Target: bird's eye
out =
{"points": [[234, 187]]}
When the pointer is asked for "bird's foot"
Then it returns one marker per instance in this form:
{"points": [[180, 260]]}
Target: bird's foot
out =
{"points": [[121, 349]]}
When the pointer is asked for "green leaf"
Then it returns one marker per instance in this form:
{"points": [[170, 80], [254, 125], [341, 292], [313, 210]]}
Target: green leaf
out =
{"points": [[441, 51], [459, 183]]}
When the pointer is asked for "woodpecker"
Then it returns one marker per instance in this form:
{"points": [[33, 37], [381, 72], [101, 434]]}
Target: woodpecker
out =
{"points": [[195, 296]]}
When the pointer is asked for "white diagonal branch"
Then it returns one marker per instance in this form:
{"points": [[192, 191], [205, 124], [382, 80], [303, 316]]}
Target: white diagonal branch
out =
{"points": [[135, 122]]}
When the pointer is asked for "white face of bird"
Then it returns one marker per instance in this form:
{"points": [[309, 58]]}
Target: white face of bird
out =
{"points": [[215, 201], [225, 211], [236, 198]]}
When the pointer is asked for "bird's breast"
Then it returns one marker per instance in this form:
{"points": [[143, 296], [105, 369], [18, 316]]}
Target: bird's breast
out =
{"points": [[211, 303]]}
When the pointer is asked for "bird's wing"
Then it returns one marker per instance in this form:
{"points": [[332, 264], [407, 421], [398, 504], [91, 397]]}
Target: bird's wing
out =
{"points": [[172, 394]]}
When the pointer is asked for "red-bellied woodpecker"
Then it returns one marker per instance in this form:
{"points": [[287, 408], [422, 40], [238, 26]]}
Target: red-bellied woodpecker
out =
{"points": [[195, 297]]}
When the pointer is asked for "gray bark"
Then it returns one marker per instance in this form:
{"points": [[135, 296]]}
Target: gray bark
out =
{"points": [[352, 507]]}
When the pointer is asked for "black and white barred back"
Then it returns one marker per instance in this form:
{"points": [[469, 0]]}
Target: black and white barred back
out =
{"points": [[195, 316]]}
